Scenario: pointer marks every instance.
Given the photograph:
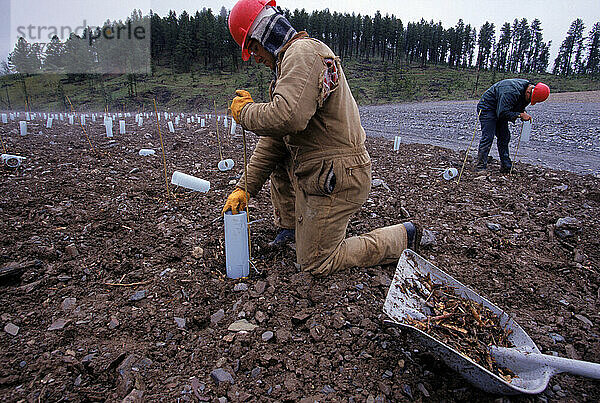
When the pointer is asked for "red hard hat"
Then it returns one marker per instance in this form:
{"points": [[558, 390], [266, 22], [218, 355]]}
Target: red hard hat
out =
{"points": [[540, 93], [241, 18]]}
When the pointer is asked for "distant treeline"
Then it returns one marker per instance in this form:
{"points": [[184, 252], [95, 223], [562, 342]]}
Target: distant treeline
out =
{"points": [[202, 41]]}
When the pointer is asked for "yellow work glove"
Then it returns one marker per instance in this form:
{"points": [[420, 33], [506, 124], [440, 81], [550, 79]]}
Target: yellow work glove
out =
{"points": [[238, 103], [236, 201]]}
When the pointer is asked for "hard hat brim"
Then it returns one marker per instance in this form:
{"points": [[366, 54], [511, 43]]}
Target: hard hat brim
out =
{"points": [[245, 54]]}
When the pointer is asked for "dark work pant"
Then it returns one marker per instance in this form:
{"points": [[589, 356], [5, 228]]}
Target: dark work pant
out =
{"points": [[490, 127]]}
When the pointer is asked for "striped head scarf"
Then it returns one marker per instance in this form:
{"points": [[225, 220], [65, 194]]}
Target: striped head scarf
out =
{"points": [[272, 30]]}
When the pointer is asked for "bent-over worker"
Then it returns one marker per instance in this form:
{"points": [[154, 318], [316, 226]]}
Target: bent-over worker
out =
{"points": [[502, 102], [311, 146]]}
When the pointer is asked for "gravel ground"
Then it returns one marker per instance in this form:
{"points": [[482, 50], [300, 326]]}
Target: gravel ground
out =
{"points": [[565, 133]]}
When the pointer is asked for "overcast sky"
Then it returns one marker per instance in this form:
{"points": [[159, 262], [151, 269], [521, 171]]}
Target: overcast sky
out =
{"points": [[555, 15]]}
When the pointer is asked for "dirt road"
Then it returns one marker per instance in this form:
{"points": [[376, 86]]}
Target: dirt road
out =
{"points": [[565, 133]]}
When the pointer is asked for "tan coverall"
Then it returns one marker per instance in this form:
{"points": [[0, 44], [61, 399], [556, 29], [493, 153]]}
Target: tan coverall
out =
{"points": [[312, 148]]}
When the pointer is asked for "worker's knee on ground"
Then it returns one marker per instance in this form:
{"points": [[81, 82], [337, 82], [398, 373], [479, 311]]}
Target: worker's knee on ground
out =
{"points": [[324, 266], [381, 246]]}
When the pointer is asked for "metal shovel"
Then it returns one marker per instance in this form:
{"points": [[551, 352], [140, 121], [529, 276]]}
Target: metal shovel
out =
{"points": [[532, 369]]}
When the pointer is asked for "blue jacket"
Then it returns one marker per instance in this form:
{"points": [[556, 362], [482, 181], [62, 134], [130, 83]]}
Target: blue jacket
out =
{"points": [[506, 99]]}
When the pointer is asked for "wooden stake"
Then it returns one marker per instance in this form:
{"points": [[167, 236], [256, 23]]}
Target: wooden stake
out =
{"points": [[246, 193], [162, 146], [218, 138], [468, 150], [84, 131], [3, 146], [518, 144]]}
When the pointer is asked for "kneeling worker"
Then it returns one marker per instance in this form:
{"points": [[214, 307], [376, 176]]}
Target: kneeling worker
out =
{"points": [[506, 100], [311, 146]]}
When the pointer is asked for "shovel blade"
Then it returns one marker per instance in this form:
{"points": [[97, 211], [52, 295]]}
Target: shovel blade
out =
{"points": [[400, 304]]}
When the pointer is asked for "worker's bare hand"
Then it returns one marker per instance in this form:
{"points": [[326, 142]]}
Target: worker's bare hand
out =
{"points": [[525, 116]]}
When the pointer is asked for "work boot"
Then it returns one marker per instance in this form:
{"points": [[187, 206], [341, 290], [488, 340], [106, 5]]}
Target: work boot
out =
{"points": [[480, 163], [505, 169], [285, 236], [414, 232]]}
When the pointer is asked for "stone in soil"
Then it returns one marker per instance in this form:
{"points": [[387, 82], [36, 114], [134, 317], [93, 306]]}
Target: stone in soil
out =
{"points": [[217, 316], [241, 325], [68, 304], [58, 324], [240, 287], [180, 322], [219, 375], [138, 295], [11, 329]]}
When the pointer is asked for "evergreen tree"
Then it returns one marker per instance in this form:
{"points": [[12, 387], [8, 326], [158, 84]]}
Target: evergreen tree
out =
{"points": [[367, 37], [376, 46], [79, 59], [535, 49], [54, 60], [25, 58], [503, 46], [569, 54], [521, 43], [544, 59], [485, 43], [470, 39], [592, 65], [184, 47]]}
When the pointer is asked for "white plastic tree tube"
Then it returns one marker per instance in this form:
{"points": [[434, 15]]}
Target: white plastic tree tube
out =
{"points": [[121, 127], [171, 128], [109, 127], [49, 123], [190, 182], [526, 131], [396, 143], [23, 127], [225, 165], [11, 161], [450, 173], [237, 256]]}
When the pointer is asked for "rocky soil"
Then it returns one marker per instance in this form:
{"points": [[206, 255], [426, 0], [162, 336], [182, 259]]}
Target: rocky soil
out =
{"points": [[123, 294]]}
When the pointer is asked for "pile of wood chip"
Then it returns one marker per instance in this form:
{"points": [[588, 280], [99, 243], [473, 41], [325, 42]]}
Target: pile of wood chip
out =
{"points": [[465, 325]]}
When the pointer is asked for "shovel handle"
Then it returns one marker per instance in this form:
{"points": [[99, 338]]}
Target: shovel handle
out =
{"points": [[559, 364]]}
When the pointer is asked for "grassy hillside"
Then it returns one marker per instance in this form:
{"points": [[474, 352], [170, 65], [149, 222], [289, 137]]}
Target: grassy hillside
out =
{"points": [[371, 83]]}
